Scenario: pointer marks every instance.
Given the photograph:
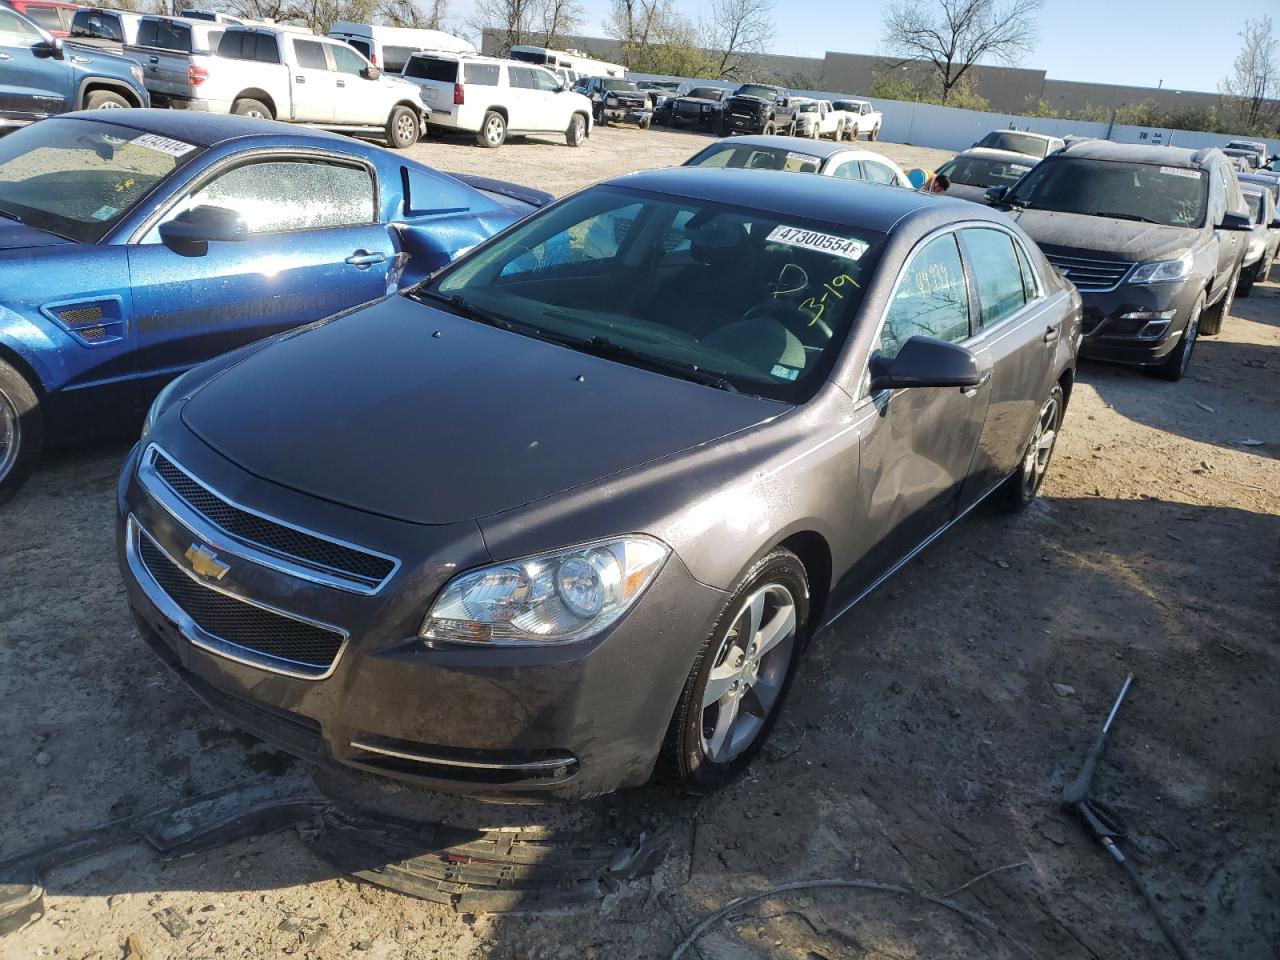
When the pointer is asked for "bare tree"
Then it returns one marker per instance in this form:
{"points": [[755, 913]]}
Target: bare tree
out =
{"points": [[514, 21], [953, 35], [1253, 89], [559, 19], [637, 25], [737, 33], [407, 13]]}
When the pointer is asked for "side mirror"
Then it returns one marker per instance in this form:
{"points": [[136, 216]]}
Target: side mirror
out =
{"points": [[200, 225], [1274, 224], [1234, 220], [926, 362], [371, 72], [996, 195], [50, 49]]}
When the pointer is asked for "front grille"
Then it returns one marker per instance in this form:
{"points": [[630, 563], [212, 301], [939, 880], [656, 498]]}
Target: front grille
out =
{"points": [[295, 546], [1095, 276], [239, 623]]}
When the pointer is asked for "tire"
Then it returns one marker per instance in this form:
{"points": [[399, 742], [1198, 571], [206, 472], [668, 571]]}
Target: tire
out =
{"points": [[402, 128], [576, 135], [1174, 366], [600, 118], [1248, 279], [769, 129], [251, 108], [1023, 485], [493, 130], [21, 431], [874, 134], [643, 123], [1211, 319], [105, 100], [711, 740]]}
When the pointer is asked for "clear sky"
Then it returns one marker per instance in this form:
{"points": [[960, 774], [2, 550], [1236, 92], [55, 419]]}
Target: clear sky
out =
{"points": [[1189, 44]]}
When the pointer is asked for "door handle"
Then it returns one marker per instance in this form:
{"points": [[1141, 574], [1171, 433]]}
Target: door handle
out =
{"points": [[342, 83], [299, 79], [1051, 335], [5, 56], [364, 259], [983, 379]]}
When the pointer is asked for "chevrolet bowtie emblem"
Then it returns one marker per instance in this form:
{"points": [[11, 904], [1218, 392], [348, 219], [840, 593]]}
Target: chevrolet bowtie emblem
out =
{"points": [[205, 562]]}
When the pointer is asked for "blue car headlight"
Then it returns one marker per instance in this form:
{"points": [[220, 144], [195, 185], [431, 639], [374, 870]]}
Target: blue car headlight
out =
{"points": [[552, 598]]}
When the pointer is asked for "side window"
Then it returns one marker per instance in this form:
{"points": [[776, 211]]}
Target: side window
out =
{"points": [[932, 299], [281, 195], [1031, 286], [480, 74], [998, 275], [310, 54], [346, 60], [231, 46], [848, 170], [595, 239], [103, 26], [266, 49], [147, 33], [393, 58], [878, 172], [363, 46], [1217, 195], [521, 78], [16, 32], [545, 81]]}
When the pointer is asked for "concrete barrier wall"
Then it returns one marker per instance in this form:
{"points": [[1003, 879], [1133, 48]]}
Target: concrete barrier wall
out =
{"points": [[950, 128]]}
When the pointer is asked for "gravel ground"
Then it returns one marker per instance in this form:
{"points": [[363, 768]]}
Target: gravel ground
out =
{"points": [[925, 742]]}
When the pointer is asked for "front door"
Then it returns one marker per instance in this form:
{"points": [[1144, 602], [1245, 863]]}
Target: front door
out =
{"points": [[356, 100], [315, 247], [30, 85], [917, 444], [547, 109], [313, 82]]}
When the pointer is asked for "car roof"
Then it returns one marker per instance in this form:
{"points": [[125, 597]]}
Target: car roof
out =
{"points": [[813, 148], [202, 129], [1259, 176], [871, 206], [1028, 133], [1137, 153], [991, 153]]}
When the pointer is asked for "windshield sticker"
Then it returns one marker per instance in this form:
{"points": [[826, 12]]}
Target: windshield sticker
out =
{"points": [[1180, 172], [784, 373], [822, 242], [174, 148], [104, 212], [803, 157]]}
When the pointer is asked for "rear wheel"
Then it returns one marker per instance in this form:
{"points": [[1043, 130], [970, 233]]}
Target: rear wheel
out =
{"points": [[21, 431], [1211, 320], [1017, 492], [769, 129], [1175, 364], [493, 131], [643, 123], [732, 696], [1248, 278], [402, 128], [577, 132], [874, 134], [105, 100], [252, 108]]}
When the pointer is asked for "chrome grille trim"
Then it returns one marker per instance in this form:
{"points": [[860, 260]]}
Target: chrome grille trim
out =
{"points": [[210, 642], [293, 564], [565, 762], [1092, 276]]}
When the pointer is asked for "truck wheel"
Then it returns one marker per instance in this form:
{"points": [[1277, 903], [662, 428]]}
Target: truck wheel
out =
{"points": [[21, 431], [1176, 363], [769, 129], [643, 123], [1247, 279], [105, 100], [402, 128], [493, 132], [577, 131], [874, 134], [251, 108]]}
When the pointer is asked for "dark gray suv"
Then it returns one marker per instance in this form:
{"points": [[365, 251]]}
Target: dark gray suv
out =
{"points": [[581, 499], [1153, 238]]}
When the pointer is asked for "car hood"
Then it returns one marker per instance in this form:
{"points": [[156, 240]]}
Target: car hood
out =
{"points": [[18, 236], [375, 411], [1073, 234]]}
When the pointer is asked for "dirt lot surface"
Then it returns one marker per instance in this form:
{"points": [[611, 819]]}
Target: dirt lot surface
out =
{"points": [[925, 743]]}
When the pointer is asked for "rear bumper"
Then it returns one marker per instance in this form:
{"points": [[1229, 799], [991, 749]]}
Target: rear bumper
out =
{"points": [[174, 101], [1126, 325]]}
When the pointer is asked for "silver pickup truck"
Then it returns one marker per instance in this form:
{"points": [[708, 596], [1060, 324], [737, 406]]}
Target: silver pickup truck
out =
{"points": [[175, 54]]}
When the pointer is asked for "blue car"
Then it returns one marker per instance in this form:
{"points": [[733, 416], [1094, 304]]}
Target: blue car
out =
{"points": [[135, 244]]}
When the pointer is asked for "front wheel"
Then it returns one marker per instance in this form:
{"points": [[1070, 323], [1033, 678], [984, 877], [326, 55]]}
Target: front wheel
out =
{"points": [[1211, 321], [1017, 492], [21, 431], [105, 100], [402, 128], [577, 132], [643, 123], [731, 699], [769, 129], [1174, 366], [493, 131]]}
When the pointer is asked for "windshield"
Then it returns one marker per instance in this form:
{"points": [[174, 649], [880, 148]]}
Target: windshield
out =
{"points": [[1271, 185], [1147, 192], [613, 85], [1017, 142], [1254, 200], [731, 297], [984, 171], [808, 108], [706, 93], [729, 154], [756, 90], [79, 178]]}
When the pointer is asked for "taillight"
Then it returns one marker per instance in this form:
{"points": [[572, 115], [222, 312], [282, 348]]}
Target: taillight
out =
{"points": [[196, 75], [373, 59], [459, 95]]}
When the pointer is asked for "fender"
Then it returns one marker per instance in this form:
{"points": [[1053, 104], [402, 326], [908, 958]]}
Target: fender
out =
{"points": [[126, 90]]}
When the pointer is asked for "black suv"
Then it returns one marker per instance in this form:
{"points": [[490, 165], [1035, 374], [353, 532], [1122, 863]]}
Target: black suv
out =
{"points": [[700, 106], [616, 99], [1152, 237], [758, 108]]}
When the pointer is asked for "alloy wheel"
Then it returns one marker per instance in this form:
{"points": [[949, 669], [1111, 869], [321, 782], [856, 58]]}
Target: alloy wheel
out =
{"points": [[1040, 449], [10, 434], [406, 128], [110, 105], [493, 130], [1189, 340], [748, 672]]}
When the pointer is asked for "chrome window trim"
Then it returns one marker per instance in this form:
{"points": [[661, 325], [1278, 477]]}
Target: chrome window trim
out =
{"points": [[530, 765], [1021, 312], [222, 539], [211, 642]]}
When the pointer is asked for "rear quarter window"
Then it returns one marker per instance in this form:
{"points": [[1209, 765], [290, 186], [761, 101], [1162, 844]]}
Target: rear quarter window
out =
{"points": [[102, 26], [394, 58], [482, 74], [432, 68]]}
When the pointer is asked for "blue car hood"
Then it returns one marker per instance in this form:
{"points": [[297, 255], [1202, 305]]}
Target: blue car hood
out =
{"points": [[17, 236]]}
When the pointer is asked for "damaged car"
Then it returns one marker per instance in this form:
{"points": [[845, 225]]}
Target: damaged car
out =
{"points": [[572, 509]]}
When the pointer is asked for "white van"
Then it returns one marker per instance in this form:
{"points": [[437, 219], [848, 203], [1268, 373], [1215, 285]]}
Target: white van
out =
{"points": [[389, 47], [572, 65], [495, 98]]}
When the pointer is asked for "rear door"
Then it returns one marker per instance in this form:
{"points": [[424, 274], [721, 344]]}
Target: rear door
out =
{"points": [[313, 82], [315, 247], [1017, 336], [30, 86]]}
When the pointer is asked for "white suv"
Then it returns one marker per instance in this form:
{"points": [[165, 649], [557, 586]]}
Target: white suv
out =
{"points": [[495, 98]]}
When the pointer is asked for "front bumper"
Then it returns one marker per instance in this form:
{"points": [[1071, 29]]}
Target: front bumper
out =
{"points": [[626, 114], [1114, 320], [571, 721], [744, 123]]}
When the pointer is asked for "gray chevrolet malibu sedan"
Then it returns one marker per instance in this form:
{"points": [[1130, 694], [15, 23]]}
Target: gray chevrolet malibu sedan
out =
{"points": [[571, 509]]}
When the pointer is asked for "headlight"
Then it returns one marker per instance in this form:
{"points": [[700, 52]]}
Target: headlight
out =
{"points": [[552, 598], [136, 71], [1163, 271]]}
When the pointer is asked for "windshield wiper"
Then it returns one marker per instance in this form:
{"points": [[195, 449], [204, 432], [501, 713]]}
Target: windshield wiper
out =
{"points": [[469, 310], [10, 216], [1126, 216], [611, 350]]}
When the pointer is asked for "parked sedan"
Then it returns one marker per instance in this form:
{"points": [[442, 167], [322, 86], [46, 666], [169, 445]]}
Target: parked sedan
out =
{"points": [[135, 244], [797, 156], [582, 499], [977, 169]]}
